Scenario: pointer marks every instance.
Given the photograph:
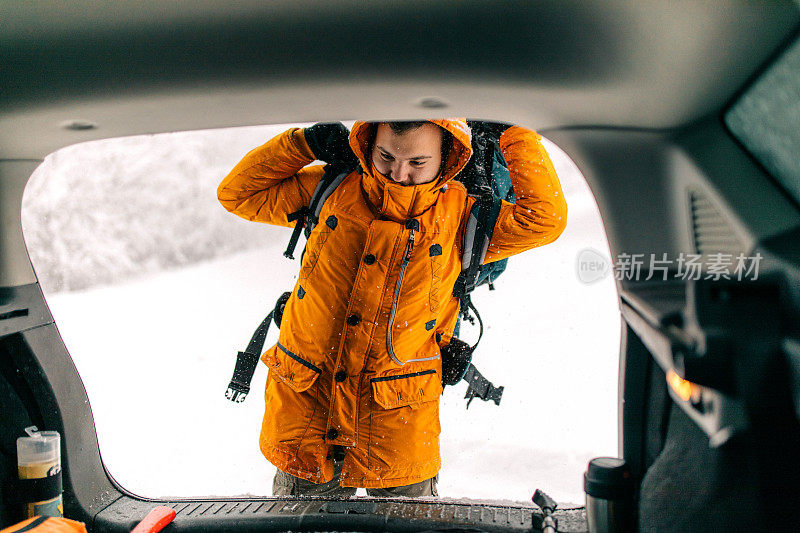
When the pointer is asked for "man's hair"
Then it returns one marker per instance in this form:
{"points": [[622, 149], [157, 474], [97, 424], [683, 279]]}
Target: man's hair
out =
{"points": [[400, 127]]}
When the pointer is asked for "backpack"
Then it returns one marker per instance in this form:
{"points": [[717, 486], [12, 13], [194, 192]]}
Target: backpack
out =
{"points": [[487, 178], [487, 167]]}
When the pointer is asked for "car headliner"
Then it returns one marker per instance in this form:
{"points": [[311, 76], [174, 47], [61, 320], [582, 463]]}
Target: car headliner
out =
{"points": [[152, 66]]}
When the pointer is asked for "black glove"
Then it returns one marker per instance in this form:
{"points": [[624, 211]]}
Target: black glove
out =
{"points": [[456, 358], [328, 141], [476, 175], [492, 129], [280, 305]]}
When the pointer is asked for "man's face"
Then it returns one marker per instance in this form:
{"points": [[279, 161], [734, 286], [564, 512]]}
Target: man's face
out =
{"points": [[409, 158]]}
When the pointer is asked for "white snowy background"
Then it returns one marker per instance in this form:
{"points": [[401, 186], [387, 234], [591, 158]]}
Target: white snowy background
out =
{"points": [[154, 288]]}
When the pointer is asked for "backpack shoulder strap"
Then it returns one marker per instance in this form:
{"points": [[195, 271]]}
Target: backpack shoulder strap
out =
{"points": [[308, 216], [246, 361], [477, 235]]}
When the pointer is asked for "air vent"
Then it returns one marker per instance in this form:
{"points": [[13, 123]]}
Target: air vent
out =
{"points": [[711, 231]]}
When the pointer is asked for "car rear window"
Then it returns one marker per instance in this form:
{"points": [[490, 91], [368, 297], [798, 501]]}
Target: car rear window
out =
{"points": [[155, 287], [766, 119]]}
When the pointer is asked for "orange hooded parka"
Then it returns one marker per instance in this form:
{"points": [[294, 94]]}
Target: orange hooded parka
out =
{"points": [[357, 363]]}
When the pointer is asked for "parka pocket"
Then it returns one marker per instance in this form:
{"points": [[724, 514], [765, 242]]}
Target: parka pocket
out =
{"points": [[411, 389], [316, 242], [290, 368]]}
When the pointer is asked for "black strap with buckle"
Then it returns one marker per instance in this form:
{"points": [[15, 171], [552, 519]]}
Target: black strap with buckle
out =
{"points": [[246, 361], [480, 387]]}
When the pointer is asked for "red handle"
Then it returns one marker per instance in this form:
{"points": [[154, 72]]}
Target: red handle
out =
{"points": [[155, 520]]}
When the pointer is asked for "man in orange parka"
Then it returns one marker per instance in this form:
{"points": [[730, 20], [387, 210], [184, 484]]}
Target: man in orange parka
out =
{"points": [[352, 396]]}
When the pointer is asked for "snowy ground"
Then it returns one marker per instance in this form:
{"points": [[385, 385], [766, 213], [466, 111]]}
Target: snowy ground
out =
{"points": [[156, 353]]}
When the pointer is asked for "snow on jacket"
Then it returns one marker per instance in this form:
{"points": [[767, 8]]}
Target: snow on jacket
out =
{"points": [[357, 362]]}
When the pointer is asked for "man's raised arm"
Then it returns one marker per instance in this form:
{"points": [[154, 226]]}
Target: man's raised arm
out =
{"points": [[540, 213], [270, 181]]}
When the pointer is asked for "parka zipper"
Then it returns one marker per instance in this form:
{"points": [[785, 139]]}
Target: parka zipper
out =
{"points": [[406, 259]]}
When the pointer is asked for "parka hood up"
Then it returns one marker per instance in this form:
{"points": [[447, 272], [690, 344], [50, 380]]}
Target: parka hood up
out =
{"points": [[401, 202]]}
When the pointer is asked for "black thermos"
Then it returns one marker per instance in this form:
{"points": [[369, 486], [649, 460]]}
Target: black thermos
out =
{"points": [[609, 488]]}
